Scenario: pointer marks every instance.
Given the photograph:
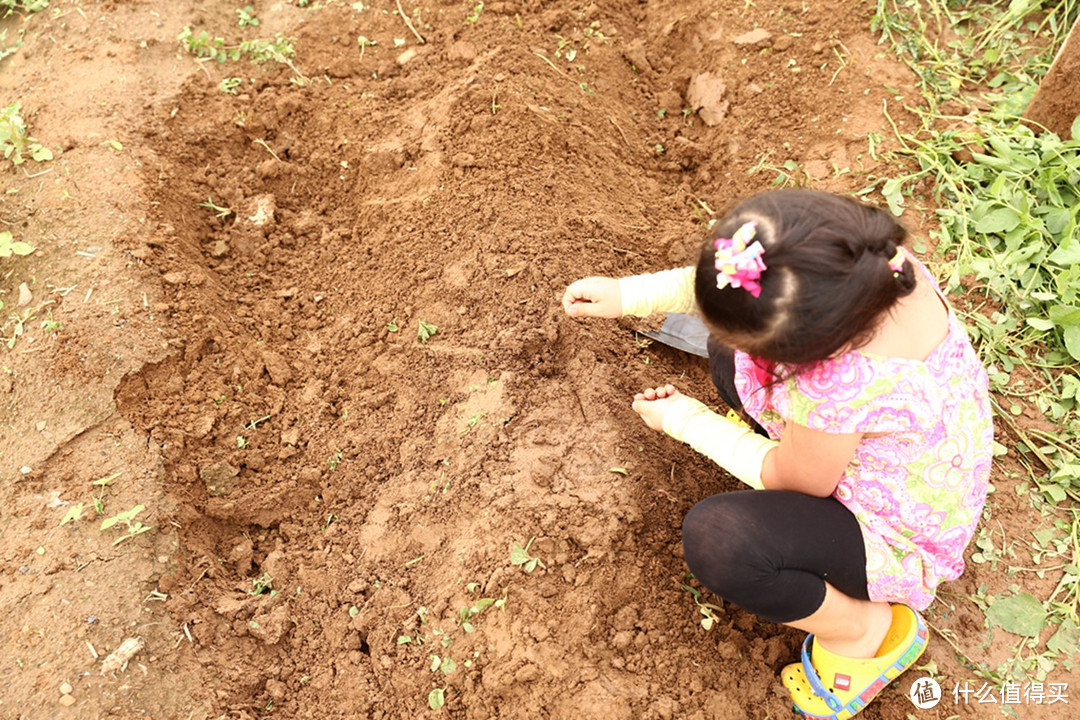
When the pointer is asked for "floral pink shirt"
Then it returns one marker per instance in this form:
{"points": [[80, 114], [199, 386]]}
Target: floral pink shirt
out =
{"points": [[918, 488]]}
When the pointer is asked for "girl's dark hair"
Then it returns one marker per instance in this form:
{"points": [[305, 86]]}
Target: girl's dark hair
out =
{"points": [[827, 282]]}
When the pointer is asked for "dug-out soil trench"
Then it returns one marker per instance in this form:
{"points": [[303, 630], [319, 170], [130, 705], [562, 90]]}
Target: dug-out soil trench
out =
{"points": [[347, 493]]}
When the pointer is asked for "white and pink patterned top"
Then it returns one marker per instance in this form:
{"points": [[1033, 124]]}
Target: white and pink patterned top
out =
{"points": [[919, 477]]}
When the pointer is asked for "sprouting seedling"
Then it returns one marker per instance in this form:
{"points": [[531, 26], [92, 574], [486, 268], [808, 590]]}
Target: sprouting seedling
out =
{"points": [[254, 424], [50, 325], [219, 211], [468, 614], [446, 664], [520, 556], [473, 421], [74, 514], [426, 331], [126, 518], [364, 43], [230, 85], [262, 585], [708, 610], [475, 14], [9, 246]]}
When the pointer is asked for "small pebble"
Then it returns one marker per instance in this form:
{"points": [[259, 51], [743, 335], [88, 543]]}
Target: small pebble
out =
{"points": [[67, 700], [91, 619], [66, 689]]}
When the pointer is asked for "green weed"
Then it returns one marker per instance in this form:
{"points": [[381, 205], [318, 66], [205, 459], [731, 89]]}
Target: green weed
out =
{"points": [[1008, 232], [15, 140], [10, 49], [280, 49], [247, 17], [1007, 207], [788, 174]]}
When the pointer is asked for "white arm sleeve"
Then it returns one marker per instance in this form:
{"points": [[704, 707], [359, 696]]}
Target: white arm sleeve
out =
{"points": [[666, 291], [733, 447]]}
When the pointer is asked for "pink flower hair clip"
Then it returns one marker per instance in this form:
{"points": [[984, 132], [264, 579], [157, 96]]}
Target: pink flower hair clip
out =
{"points": [[896, 263], [738, 261]]}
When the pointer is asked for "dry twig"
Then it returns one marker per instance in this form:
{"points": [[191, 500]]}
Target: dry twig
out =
{"points": [[408, 23]]}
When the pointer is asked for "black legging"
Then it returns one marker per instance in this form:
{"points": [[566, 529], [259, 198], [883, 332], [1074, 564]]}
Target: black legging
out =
{"points": [[771, 551]]}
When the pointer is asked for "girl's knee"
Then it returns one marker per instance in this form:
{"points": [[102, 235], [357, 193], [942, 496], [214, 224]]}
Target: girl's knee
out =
{"points": [[721, 543], [709, 541]]}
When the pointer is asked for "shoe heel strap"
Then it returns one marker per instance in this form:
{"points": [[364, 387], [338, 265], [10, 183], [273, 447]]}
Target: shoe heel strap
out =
{"points": [[815, 682]]}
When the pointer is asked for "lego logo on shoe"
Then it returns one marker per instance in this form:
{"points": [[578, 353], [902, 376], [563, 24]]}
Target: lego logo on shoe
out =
{"points": [[842, 682], [925, 693]]}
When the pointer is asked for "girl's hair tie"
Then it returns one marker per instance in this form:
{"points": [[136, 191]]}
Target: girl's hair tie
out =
{"points": [[738, 262], [896, 263]]}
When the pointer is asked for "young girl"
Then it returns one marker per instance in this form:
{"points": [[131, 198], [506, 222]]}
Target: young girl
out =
{"points": [[872, 448]]}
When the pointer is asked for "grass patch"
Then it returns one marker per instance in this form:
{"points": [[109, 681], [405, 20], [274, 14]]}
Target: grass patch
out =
{"points": [[1007, 205]]}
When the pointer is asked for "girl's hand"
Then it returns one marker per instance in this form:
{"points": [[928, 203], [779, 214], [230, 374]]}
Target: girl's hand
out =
{"points": [[593, 297], [653, 403]]}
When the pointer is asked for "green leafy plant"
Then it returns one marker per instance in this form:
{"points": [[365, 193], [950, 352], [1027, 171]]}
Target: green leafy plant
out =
{"points": [[520, 557], [468, 615], [1008, 237], [426, 331], [1007, 202], [209, 47], [10, 246], [262, 585], [230, 85], [15, 141], [131, 526], [220, 212], [7, 7], [74, 514], [247, 17], [475, 14]]}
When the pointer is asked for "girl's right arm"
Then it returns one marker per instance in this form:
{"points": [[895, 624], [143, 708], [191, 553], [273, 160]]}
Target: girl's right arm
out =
{"points": [[637, 295]]}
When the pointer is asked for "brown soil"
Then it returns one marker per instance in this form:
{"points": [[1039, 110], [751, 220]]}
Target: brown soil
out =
{"points": [[258, 382]]}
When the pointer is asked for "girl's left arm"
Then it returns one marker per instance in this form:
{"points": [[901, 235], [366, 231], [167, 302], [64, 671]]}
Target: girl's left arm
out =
{"points": [[808, 461]]}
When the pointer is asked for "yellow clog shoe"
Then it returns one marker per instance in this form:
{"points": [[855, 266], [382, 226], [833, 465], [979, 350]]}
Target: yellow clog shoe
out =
{"points": [[827, 685]]}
